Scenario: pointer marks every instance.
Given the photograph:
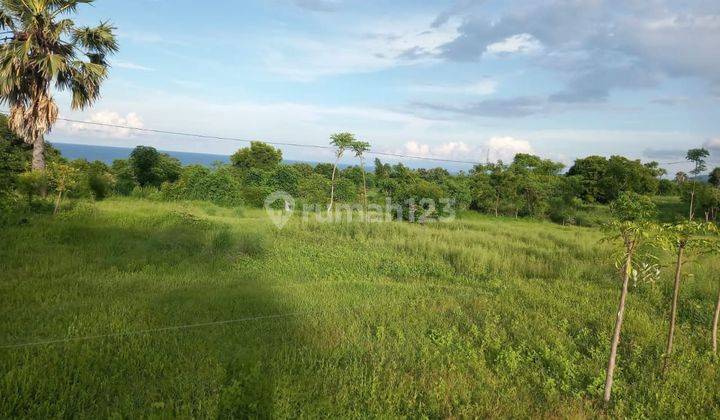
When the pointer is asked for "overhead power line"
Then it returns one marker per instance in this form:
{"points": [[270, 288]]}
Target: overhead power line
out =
{"points": [[158, 330], [236, 139], [276, 143]]}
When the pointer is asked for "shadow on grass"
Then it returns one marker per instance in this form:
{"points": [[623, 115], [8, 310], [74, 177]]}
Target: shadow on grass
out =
{"points": [[105, 275]]}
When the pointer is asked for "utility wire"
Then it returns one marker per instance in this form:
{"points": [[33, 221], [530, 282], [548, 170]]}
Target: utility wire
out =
{"points": [[274, 143], [289, 144], [157, 330]]}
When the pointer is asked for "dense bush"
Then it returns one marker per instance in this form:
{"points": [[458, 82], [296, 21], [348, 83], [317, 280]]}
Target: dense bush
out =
{"points": [[218, 186]]}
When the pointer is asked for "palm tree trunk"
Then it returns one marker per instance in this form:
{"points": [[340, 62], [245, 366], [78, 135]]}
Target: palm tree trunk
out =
{"points": [[618, 325], [673, 310], [38, 161], [332, 187], [716, 317]]}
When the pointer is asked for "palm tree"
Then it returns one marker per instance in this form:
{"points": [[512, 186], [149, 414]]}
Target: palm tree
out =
{"points": [[41, 49], [342, 142], [360, 147]]}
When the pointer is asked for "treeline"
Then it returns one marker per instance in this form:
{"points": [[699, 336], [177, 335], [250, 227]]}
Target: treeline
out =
{"points": [[529, 186]]}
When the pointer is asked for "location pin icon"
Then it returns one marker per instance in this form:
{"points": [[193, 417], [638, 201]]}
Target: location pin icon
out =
{"points": [[277, 216]]}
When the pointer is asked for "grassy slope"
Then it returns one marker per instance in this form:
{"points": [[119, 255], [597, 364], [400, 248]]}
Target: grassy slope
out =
{"points": [[484, 316]]}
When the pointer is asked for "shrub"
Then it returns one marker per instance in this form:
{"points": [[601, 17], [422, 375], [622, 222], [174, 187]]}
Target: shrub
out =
{"points": [[314, 189]]}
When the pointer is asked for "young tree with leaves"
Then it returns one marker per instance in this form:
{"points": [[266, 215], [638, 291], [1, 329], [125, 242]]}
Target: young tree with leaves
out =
{"points": [[680, 238], [62, 178], [359, 148], [43, 51], [698, 158], [341, 142], [631, 226]]}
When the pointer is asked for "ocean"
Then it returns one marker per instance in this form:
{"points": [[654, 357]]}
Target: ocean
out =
{"points": [[107, 154]]}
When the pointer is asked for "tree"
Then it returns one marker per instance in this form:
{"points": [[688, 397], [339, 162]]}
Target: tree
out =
{"points": [[359, 148], [144, 160], [382, 170], [714, 178], [42, 52], [714, 247], [313, 189], [680, 238], [259, 156], [591, 170], [697, 157], [62, 178], [31, 183], [341, 142], [630, 225], [124, 176]]}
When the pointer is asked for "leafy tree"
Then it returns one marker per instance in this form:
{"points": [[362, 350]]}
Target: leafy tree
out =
{"points": [[714, 178], [420, 200], [324, 169], [31, 183], [345, 190], [285, 178], [16, 157], [144, 160], [698, 158], [359, 148], [259, 156], [42, 52], [382, 170], [62, 178], [313, 189], [714, 247], [302, 168], [667, 187], [681, 238], [124, 176], [167, 169], [591, 171], [100, 180], [604, 179], [341, 142], [631, 227]]}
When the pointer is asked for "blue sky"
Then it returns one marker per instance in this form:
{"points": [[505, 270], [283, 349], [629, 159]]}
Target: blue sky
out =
{"points": [[453, 79]]}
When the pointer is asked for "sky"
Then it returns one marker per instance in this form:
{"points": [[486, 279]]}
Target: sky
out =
{"points": [[468, 80]]}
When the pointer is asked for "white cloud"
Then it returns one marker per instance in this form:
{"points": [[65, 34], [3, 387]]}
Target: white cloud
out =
{"points": [[494, 149], [712, 144], [480, 88], [130, 65], [520, 43], [505, 148], [389, 44], [103, 117]]}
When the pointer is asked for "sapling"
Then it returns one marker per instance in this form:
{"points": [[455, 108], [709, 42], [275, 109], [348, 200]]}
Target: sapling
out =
{"points": [[682, 239], [360, 147], [631, 228], [62, 178], [698, 158], [713, 246], [341, 141]]}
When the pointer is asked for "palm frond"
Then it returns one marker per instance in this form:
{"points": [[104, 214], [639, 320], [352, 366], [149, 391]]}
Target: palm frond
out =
{"points": [[58, 7], [99, 39], [6, 21]]}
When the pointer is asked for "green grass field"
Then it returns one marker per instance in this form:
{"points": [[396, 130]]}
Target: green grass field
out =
{"points": [[479, 317]]}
